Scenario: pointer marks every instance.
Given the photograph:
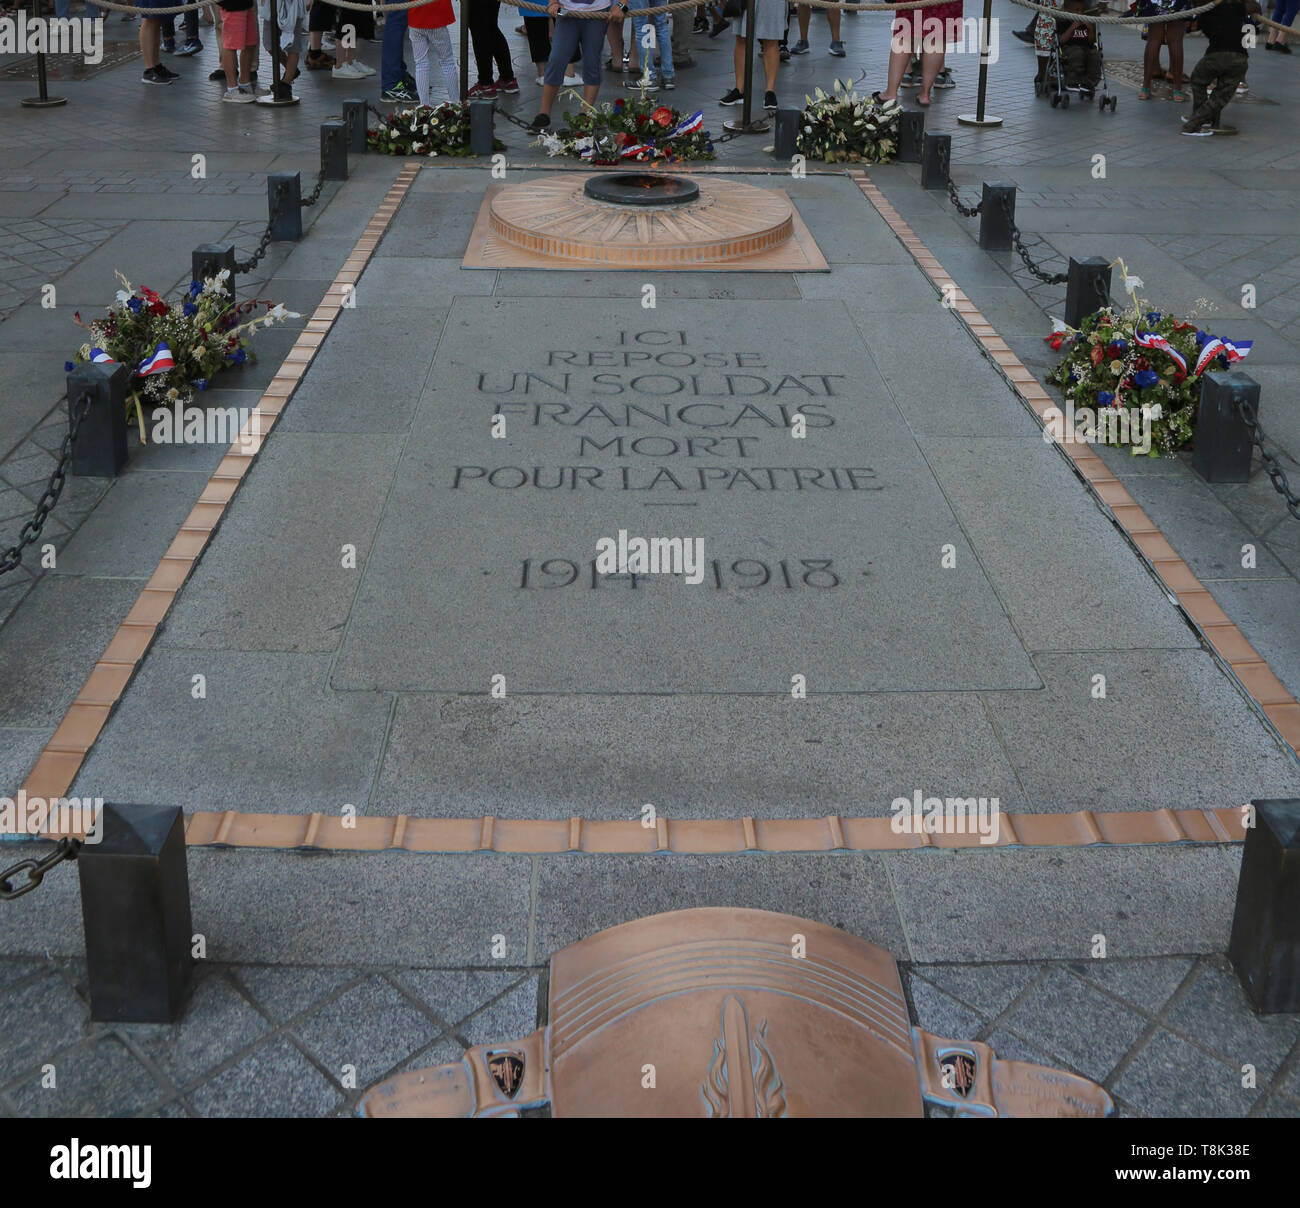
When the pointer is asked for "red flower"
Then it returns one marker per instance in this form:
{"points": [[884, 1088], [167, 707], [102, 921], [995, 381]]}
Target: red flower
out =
{"points": [[1098, 352], [663, 116]]}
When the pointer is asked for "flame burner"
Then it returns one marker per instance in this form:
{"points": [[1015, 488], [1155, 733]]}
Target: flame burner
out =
{"points": [[641, 189]]}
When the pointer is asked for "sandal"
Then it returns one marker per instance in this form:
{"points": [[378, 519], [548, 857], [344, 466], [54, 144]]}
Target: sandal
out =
{"points": [[1144, 94], [923, 101], [1180, 96]]}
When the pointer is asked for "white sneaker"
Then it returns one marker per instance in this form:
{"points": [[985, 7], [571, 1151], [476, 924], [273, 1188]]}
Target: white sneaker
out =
{"points": [[572, 79], [358, 66], [239, 96], [327, 43], [345, 71]]}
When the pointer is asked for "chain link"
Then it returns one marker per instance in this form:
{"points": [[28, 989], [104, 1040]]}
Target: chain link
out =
{"points": [[1045, 277], [970, 211], [13, 556], [64, 849], [1277, 476], [247, 266]]}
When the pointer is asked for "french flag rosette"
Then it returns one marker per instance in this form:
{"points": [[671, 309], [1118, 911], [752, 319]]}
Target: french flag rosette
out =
{"points": [[635, 149], [1151, 339], [160, 362], [100, 357], [1214, 347]]}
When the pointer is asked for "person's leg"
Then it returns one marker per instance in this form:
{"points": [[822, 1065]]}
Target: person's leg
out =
{"points": [[420, 62], [235, 70], [498, 47], [615, 34], [150, 41], [900, 55], [739, 63], [664, 37], [480, 40], [1151, 61], [1230, 72], [392, 66], [592, 38], [440, 40], [931, 57], [833, 20], [1201, 78], [538, 31], [1174, 36], [804, 16], [566, 38], [771, 61], [192, 25]]}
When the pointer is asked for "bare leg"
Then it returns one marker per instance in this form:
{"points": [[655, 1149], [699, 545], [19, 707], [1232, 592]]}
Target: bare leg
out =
{"points": [[548, 98], [1151, 63], [771, 63], [1174, 37], [898, 61], [931, 65], [150, 40]]}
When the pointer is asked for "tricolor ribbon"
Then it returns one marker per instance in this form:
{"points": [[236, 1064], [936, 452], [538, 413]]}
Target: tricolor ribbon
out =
{"points": [[688, 125], [1150, 339], [100, 357], [1216, 347], [160, 362]]}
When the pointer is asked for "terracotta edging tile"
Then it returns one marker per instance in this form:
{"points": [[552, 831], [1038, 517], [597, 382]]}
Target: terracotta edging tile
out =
{"points": [[60, 760]]}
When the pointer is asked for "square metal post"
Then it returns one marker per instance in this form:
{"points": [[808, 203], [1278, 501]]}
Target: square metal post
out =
{"points": [[286, 189], [135, 906], [481, 136], [936, 152], [997, 213], [787, 134], [100, 448], [1087, 288], [355, 116], [911, 135], [1223, 443], [334, 149], [1265, 944], [208, 259]]}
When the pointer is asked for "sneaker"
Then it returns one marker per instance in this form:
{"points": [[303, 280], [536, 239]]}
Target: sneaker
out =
{"points": [[482, 92], [912, 76], [169, 45], [718, 27], [166, 73], [944, 79], [219, 74], [398, 92], [570, 80], [319, 60], [701, 25], [346, 71], [837, 49], [785, 53], [192, 47], [361, 68], [326, 42], [667, 84], [1242, 89], [1024, 36], [541, 122], [800, 47], [1223, 129], [239, 96], [1270, 45], [1197, 131], [733, 97], [769, 101], [510, 87], [150, 76]]}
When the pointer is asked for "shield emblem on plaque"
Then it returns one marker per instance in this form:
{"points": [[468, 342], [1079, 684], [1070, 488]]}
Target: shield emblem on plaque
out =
{"points": [[718, 1013]]}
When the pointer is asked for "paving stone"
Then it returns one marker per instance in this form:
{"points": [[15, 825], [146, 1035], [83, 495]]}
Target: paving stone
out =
{"points": [[43, 678], [453, 995], [43, 1016], [691, 756], [936, 1012], [370, 1027], [988, 988], [291, 593], [1064, 1015], [1056, 590], [274, 1080], [243, 745], [392, 284], [18, 751], [1160, 749], [100, 1078], [1145, 983], [1170, 1077], [1267, 615], [218, 1022], [1047, 904], [576, 897], [512, 1017], [286, 992], [1216, 1012]]}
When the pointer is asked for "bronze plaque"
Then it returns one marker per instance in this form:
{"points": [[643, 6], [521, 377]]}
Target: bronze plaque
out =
{"points": [[718, 1013]]}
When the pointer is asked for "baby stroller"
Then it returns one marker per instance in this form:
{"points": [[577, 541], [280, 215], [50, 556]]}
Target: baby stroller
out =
{"points": [[1052, 83]]}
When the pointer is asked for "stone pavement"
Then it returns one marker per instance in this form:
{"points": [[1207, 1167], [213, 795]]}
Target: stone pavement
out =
{"points": [[368, 687]]}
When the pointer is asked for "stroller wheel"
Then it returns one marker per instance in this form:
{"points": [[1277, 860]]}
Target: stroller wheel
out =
{"points": [[1101, 104], [1038, 87], [1056, 100], [1113, 101], [1065, 100]]}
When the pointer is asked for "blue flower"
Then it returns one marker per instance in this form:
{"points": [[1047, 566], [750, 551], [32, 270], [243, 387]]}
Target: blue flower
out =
{"points": [[1145, 377], [1153, 316], [1201, 337], [1121, 345], [239, 356], [1073, 376], [1105, 398], [189, 309], [200, 383], [196, 288], [133, 305], [68, 366]]}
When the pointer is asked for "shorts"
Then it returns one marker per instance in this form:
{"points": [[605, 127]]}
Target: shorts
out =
{"points": [[291, 41], [239, 30]]}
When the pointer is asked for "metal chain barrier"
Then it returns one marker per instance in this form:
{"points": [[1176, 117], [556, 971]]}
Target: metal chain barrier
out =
{"points": [[13, 556], [1045, 277], [247, 266], [943, 153], [1277, 476], [64, 849]]}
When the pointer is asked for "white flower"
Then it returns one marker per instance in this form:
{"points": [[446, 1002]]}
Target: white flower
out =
{"points": [[1132, 283], [1058, 325], [123, 296], [1156, 411]]}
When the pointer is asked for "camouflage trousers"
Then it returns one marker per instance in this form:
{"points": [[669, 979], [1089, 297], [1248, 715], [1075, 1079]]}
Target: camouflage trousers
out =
{"points": [[1224, 69]]}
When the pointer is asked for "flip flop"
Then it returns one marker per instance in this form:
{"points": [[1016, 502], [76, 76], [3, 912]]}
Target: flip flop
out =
{"points": [[1144, 94]]}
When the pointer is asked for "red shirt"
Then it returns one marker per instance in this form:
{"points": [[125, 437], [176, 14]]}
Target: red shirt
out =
{"points": [[431, 16]]}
